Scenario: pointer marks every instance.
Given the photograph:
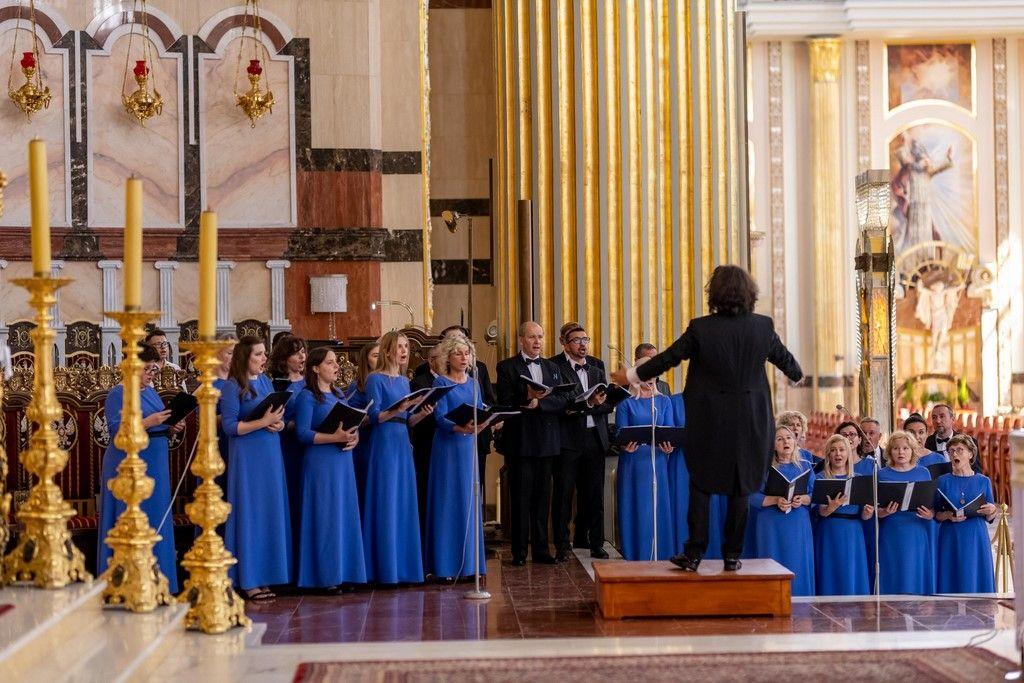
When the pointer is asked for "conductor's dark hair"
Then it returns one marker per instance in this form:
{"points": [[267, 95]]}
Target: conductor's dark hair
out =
{"points": [[642, 348], [731, 291]]}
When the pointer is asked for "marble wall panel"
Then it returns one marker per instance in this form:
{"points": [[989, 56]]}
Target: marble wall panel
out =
{"points": [[14, 299], [250, 291], [51, 125], [185, 291], [248, 173], [401, 282], [402, 205], [364, 287], [118, 147], [83, 298], [339, 199], [447, 245]]}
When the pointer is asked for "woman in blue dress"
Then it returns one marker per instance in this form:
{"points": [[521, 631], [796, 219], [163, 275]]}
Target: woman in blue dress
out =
{"points": [[258, 532], [635, 479], [840, 558], [784, 526], [679, 479], [156, 458], [330, 534], [965, 556], [391, 527], [450, 519], [221, 374], [866, 465], [355, 396], [287, 368], [906, 556]]}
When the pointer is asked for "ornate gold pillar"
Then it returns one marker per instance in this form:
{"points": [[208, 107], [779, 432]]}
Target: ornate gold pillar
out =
{"points": [[827, 222], [591, 173], [545, 300], [613, 177], [567, 155], [636, 207]]}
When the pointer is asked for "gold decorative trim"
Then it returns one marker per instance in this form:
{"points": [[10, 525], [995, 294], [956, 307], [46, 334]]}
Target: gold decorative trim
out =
{"points": [[428, 284], [1004, 348], [862, 49], [824, 59]]}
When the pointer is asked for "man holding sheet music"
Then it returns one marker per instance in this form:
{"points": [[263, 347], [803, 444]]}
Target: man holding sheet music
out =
{"points": [[530, 442], [584, 439], [729, 421]]}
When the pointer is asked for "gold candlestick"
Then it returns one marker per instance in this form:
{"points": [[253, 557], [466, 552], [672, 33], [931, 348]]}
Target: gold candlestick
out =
{"points": [[133, 576], [214, 606], [5, 498], [45, 554]]}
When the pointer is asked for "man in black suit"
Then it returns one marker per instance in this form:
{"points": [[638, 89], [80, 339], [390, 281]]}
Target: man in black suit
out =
{"points": [[584, 437], [530, 442], [943, 420], [483, 378], [729, 421], [648, 350]]}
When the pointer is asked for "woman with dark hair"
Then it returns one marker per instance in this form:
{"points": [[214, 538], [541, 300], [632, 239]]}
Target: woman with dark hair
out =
{"points": [[156, 457], [287, 368], [258, 532], [730, 426], [330, 533], [356, 397]]}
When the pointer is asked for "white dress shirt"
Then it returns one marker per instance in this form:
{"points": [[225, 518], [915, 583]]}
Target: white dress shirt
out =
{"points": [[533, 368], [585, 381]]}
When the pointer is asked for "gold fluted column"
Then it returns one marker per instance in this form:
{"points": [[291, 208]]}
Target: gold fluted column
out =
{"points": [[613, 175], [428, 282], [567, 155], [705, 139], [684, 206], [667, 246], [505, 335], [591, 172], [720, 141], [827, 220], [545, 198], [511, 175], [524, 80], [652, 233], [633, 107]]}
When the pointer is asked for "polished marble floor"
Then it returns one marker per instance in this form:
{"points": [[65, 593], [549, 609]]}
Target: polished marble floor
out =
{"points": [[543, 601]]}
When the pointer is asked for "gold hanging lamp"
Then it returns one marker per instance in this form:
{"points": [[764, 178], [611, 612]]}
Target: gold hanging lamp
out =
{"points": [[145, 102], [33, 95], [257, 101]]}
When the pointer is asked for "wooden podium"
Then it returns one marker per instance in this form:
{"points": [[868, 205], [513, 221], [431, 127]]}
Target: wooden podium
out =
{"points": [[660, 589]]}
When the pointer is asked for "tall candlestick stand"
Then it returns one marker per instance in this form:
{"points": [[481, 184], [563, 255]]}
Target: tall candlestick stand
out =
{"points": [[133, 577], [214, 606], [45, 554], [5, 498]]}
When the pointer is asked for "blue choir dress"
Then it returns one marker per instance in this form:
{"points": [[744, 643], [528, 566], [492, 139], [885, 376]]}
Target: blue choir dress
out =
{"points": [[965, 556], [634, 484], [361, 453], [840, 554], [156, 457], [679, 480], [906, 556], [330, 533], [291, 452], [448, 540], [258, 532], [866, 466], [391, 525], [786, 537], [933, 530]]}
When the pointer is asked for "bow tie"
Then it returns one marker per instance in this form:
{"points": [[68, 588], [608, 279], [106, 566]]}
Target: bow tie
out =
{"points": [[577, 368], [532, 361]]}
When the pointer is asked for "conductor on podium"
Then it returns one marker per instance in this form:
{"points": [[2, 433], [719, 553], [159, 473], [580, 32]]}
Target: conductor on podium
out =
{"points": [[729, 420]]}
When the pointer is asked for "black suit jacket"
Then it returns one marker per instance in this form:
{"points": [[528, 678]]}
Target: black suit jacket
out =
{"points": [[729, 420], [422, 434], [535, 433], [931, 444], [573, 421]]}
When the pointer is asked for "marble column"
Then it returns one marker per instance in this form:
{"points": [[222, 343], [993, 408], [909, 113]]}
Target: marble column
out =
{"points": [[167, 322], [57, 324], [3, 313], [110, 342], [278, 322], [224, 321], [827, 222]]}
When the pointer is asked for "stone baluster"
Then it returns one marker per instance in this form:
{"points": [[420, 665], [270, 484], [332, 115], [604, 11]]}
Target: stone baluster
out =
{"points": [[110, 341], [224, 321], [167, 321], [278, 321]]}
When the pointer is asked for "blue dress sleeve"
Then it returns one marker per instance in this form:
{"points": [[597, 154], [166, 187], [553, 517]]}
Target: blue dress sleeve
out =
{"points": [[375, 393], [230, 405], [810, 481], [443, 407], [112, 407], [622, 415], [304, 405]]}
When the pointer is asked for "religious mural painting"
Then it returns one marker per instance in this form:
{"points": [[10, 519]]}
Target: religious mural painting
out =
{"points": [[934, 219]]}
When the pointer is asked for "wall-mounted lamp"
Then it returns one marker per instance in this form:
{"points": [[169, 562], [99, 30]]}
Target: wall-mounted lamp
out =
{"points": [[328, 294]]}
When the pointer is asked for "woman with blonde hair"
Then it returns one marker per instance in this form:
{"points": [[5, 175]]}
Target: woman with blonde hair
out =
{"points": [[391, 525], [840, 560], [450, 519], [905, 546]]}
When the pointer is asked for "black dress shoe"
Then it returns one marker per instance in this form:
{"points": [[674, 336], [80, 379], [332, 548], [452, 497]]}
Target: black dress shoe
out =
{"points": [[685, 562], [562, 555], [732, 564], [599, 554], [518, 561], [543, 558]]}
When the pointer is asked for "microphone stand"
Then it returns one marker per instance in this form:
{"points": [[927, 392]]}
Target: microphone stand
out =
{"points": [[477, 593]]}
